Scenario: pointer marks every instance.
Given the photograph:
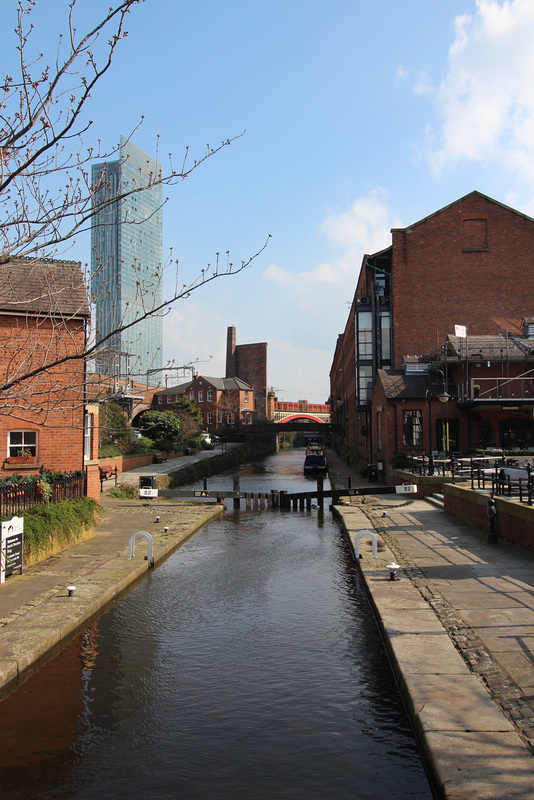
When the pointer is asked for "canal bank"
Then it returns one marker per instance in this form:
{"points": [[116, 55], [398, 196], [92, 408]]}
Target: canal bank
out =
{"points": [[458, 624], [36, 611]]}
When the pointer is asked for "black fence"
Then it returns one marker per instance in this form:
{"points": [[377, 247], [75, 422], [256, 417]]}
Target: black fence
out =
{"points": [[501, 476], [16, 499]]}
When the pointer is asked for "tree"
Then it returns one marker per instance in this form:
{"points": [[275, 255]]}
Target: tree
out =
{"points": [[190, 417], [46, 195], [114, 428], [159, 425]]}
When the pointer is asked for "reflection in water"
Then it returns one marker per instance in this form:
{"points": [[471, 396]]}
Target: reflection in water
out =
{"points": [[247, 666]]}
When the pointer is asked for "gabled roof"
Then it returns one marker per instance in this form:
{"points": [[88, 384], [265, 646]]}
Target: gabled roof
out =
{"points": [[475, 193], [221, 384], [43, 286], [399, 386], [227, 384]]}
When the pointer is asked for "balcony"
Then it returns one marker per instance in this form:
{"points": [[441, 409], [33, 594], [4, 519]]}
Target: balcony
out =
{"points": [[502, 392]]}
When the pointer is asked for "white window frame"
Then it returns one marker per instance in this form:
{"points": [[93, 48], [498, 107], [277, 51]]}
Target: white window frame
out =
{"points": [[29, 440], [209, 396], [201, 397]]}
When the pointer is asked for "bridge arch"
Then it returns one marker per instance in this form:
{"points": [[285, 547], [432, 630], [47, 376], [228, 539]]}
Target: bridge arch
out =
{"points": [[300, 415]]}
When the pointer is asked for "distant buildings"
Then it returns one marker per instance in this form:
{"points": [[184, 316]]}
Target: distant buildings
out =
{"points": [[223, 402], [126, 264], [249, 362], [444, 313]]}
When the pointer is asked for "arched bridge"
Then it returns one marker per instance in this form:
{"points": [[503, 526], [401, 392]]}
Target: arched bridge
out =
{"points": [[290, 412]]}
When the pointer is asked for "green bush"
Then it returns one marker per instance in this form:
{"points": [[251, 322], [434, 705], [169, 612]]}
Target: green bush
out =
{"points": [[142, 445], [56, 521], [125, 491], [165, 445], [108, 451]]}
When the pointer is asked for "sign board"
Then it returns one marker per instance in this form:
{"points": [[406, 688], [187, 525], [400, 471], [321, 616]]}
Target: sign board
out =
{"points": [[11, 544], [406, 488], [147, 492], [460, 331]]}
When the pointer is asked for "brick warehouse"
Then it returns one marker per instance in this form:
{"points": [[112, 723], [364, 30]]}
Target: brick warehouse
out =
{"points": [[467, 268], [43, 316], [249, 363]]}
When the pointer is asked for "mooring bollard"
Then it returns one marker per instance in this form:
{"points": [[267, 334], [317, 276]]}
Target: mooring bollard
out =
{"points": [[492, 514]]}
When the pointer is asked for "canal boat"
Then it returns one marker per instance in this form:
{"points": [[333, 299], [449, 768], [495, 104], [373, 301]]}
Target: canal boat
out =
{"points": [[315, 461]]}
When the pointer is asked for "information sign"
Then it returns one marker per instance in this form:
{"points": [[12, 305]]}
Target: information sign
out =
{"points": [[11, 544]]}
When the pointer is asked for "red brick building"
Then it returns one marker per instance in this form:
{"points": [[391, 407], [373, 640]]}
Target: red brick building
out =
{"points": [[43, 317], [467, 268], [224, 402], [249, 363]]}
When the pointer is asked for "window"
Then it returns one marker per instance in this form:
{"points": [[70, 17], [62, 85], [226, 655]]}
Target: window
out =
{"points": [[87, 436], [229, 419], [379, 430], [246, 397], [160, 401], [169, 399], [220, 417], [22, 440], [365, 335], [191, 395], [201, 397], [412, 432], [209, 396], [365, 384], [210, 418]]}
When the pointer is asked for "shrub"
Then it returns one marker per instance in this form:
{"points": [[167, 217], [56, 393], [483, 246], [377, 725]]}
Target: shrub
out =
{"points": [[56, 522], [125, 491], [142, 445]]}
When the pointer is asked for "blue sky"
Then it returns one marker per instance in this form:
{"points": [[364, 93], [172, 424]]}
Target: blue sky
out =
{"points": [[359, 117]]}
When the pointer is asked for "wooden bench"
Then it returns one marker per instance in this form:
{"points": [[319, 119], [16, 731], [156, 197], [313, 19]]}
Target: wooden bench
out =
{"points": [[159, 459], [107, 471]]}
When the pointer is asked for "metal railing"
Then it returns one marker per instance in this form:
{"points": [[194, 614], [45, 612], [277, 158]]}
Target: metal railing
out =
{"points": [[504, 478], [15, 499]]}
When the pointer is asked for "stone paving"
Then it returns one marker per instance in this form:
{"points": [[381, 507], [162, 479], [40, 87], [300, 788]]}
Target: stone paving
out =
{"points": [[459, 628]]}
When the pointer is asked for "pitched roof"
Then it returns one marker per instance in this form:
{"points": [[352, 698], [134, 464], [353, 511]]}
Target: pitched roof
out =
{"points": [[43, 286], [474, 193], [399, 386], [221, 384], [490, 348]]}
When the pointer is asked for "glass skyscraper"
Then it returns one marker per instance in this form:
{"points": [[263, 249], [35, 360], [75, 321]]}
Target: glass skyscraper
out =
{"points": [[126, 265]]}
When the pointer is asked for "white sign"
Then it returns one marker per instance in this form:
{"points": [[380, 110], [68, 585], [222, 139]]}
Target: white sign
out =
{"points": [[11, 543], [148, 492], [406, 488], [460, 331]]}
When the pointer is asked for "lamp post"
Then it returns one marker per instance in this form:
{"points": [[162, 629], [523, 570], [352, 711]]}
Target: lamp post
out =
{"points": [[444, 397], [430, 456]]}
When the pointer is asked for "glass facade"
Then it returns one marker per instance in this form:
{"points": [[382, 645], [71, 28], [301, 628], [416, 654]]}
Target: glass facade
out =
{"points": [[126, 264]]}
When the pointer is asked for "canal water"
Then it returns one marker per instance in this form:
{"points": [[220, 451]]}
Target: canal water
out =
{"points": [[247, 667]]}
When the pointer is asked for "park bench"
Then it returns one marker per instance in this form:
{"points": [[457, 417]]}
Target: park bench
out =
{"points": [[107, 471], [159, 459]]}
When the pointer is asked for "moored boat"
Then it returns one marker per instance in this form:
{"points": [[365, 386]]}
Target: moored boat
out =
{"points": [[315, 462]]}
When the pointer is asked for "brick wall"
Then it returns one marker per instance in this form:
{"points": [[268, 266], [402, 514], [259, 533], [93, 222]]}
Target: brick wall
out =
{"points": [[251, 367], [514, 521], [51, 403], [443, 275]]}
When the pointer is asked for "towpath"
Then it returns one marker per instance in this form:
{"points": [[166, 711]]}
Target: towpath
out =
{"points": [[458, 624]]}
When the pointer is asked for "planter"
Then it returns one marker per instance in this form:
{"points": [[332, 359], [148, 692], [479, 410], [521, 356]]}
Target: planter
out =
{"points": [[21, 460]]}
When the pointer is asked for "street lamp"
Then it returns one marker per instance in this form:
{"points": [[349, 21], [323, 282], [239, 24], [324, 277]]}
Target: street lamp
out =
{"points": [[443, 397]]}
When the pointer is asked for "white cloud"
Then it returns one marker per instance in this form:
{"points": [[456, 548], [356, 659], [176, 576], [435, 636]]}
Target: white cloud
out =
{"points": [[485, 103]]}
